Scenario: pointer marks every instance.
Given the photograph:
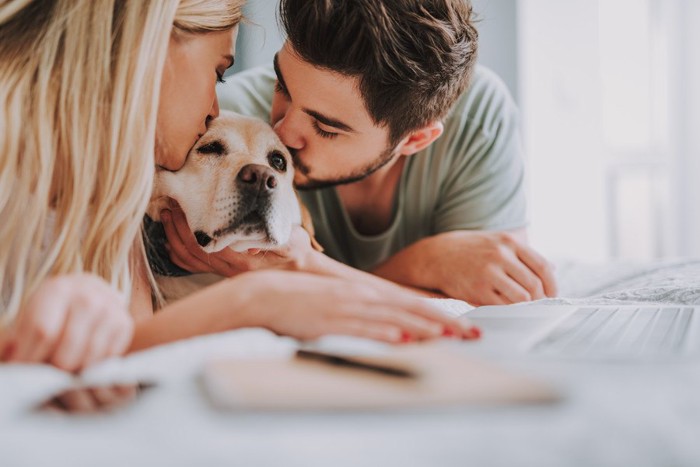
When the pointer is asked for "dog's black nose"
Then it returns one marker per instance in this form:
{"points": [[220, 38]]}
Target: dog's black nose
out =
{"points": [[257, 177]]}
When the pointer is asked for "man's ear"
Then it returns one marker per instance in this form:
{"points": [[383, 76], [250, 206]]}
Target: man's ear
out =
{"points": [[420, 139]]}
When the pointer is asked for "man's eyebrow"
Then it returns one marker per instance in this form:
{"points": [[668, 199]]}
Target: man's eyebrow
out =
{"points": [[328, 121], [280, 78]]}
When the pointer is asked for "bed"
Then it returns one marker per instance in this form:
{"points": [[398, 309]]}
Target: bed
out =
{"points": [[611, 415]]}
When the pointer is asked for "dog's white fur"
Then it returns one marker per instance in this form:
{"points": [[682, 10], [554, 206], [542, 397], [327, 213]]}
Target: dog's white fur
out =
{"points": [[222, 205], [212, 197]]}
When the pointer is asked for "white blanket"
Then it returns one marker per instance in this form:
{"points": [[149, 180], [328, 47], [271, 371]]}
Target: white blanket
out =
{"points": [[671, 282], [172, 424]]}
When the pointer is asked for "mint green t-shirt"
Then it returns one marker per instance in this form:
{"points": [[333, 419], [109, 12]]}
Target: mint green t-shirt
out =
{"points": [[471, 178]]}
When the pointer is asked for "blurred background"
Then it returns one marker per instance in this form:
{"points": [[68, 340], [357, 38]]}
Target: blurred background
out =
{"points": [[609, 94]]}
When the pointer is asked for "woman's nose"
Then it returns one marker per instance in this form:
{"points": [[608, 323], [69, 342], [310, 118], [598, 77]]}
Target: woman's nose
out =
{"points": [[214, 111]]}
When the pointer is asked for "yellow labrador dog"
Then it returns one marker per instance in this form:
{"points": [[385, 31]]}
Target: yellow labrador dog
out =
{"points": [[236, 190]]}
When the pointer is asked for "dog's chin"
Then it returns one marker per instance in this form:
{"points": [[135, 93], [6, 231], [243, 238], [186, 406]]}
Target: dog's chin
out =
{"points": [[252, 232], [240, 242]]}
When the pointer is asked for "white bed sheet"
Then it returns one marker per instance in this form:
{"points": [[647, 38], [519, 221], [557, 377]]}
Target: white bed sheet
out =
{"points": [[612, 415]]}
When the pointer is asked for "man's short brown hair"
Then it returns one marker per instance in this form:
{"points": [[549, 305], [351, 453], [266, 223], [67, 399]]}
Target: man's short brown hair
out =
{"points": [[413, 57]]}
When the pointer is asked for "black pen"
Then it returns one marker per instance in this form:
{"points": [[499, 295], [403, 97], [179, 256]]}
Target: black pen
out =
{"points": [[359, 361]]}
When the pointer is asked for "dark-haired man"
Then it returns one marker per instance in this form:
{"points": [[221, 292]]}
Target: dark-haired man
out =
{"points": [[406, 152]]}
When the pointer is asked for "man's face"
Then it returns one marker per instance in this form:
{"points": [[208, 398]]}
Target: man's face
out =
{"points": [[320, 115]]}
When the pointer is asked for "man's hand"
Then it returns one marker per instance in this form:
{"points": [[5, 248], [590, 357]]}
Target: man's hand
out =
{"points": [[185, 251], [482, 268]]}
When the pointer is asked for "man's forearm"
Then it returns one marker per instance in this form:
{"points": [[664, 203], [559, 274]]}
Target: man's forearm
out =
{"points": [[481, 267], [416, 266], [423, 264]]}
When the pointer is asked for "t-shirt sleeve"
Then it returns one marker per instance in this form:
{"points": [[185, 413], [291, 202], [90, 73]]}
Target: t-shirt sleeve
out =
{"points": [[249, 92], [483, 184]]}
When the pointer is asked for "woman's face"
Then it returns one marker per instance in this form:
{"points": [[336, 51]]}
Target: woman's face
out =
{"points": [[188, 93]]}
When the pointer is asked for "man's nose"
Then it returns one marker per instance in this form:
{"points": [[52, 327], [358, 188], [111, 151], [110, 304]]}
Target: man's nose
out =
{"points": [[288, 132]]}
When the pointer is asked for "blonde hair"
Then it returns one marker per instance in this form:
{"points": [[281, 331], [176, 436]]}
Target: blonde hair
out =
{"points": [[79, 88]]}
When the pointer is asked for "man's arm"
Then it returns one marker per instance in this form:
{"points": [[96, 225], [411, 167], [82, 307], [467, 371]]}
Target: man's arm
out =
{"points": [[475, 266], [477, 248]]}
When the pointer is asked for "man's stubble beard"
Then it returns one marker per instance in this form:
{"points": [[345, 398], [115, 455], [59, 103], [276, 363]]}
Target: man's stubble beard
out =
{"points": [[314, 184]]}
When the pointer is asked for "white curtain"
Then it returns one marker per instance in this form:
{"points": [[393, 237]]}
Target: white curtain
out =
{"points": [[609, 92]]}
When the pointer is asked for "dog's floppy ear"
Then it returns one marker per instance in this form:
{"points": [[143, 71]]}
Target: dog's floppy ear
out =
{"points": [[158, 256], [308, 224]]}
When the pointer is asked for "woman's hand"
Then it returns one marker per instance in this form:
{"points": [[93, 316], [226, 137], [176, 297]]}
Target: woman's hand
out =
{"points": [[308, 306], [185, 251], [89, 400], [71, 321]]}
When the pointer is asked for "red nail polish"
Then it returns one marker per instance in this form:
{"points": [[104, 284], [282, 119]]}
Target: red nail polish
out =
{"points": [[406, 337], [448, 332], [475, 333], [8, 353]]}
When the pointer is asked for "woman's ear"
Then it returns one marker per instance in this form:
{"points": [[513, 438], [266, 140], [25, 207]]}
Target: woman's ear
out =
{"points": [[420, 139]]}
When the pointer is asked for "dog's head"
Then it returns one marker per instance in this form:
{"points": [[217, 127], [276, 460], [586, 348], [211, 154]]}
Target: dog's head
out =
{"points": [[235, 187]]}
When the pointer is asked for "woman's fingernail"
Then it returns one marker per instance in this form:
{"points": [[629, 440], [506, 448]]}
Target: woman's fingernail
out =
{"points": [[406, 337], [474, 333], [448, 332]]}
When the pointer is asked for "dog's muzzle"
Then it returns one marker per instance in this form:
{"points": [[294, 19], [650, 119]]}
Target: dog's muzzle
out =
{"points": [[256, 185], [256, 179]]}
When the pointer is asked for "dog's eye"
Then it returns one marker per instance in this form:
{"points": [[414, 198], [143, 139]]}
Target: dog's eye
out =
{"points": [[277, 161], [215, 147]]}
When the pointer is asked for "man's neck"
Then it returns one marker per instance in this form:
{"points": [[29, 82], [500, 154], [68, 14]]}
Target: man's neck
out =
{"points": [[376, 182], [369, 202]]}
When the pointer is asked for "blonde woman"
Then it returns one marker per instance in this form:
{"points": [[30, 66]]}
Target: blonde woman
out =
{"points": [[88, 90]]}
